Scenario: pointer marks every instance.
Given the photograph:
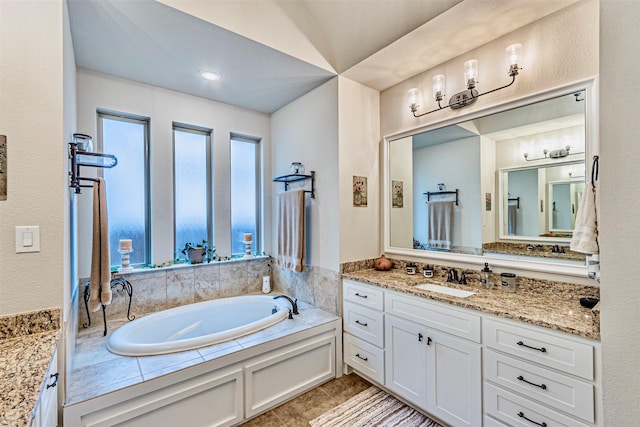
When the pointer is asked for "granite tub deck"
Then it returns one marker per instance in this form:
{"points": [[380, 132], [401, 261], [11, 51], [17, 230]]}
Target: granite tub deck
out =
{"points": [[553, 305], [27, 343], [96, 371]]}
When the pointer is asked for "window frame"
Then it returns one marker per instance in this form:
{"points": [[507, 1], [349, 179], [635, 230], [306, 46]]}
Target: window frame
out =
{"points": [[208, 133], [257, 238], [146, 122]]}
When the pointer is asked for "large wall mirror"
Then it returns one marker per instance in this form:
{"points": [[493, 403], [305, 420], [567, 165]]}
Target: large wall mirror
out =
{"points": [[505, 184]]}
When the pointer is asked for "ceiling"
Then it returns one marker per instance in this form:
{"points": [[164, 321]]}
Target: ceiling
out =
{"points": [[375, 42]]}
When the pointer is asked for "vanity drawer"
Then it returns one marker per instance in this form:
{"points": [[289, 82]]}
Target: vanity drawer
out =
{"points": [[534, 345], [360, 293], [455, 322], [562, 392], [364, 323], [514, 410], [365, 358]]}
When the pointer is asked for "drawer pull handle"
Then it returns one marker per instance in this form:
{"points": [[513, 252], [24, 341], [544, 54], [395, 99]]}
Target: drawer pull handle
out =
{"points": [[361, 296], [55, 381], [429, 340], [361, 357], [541, 349], [542, 424], [361, 323], [542, 386]]}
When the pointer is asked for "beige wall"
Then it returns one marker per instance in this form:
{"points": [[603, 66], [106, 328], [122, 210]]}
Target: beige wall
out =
{"points": [[31, 116], [163, 107], [557, 50], [306, 131], [619, 201], [359, 113]]}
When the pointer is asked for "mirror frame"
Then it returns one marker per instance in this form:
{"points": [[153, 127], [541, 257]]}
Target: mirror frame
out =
{"points": [[515, 262]]}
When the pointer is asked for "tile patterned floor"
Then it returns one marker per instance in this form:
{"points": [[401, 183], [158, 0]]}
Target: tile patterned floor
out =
{"points": [[299, 411]]}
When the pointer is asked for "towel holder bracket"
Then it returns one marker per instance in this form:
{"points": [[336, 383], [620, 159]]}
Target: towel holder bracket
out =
{"points": [[86, 158], [437, 193], [296, 177]]}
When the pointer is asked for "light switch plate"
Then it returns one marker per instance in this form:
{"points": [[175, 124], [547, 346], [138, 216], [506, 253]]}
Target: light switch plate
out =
{"points": [[27, 238]]}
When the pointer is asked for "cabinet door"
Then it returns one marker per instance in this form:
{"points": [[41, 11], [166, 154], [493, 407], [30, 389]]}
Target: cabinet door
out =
{"points": [[406, 360], [49, 396], [454, 372]]}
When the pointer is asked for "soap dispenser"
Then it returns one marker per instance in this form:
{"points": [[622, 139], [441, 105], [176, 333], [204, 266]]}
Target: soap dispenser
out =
{"points": [[486, 278]]}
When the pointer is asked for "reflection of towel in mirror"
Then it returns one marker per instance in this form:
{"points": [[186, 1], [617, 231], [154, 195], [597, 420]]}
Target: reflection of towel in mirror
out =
{"points": [[585, 232], [100, 282], [291, 230], [440, 224], [512, 215]]}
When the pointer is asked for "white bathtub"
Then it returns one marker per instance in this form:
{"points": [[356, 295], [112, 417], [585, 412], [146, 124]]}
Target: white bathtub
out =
{"points": [[197, 325]]}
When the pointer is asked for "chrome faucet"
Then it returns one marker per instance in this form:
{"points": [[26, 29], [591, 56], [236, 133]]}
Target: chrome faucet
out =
{"points": [[452, 276], [294, 304]]}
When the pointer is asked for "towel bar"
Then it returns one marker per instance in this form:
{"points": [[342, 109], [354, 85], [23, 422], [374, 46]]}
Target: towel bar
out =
{"points": [[295, 177], [436, 193]]}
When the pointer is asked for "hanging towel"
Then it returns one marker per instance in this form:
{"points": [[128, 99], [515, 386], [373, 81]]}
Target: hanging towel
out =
{"points": [[440, 224], [585, 231], [100, 282], [512, 213], [291, 230]]}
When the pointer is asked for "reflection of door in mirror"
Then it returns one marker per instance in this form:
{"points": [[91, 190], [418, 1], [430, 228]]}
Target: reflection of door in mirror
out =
{"points": [[564, 197]]}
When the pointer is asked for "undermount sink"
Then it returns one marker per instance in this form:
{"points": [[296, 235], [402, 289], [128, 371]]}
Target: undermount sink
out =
{"points": [[445, 290]]}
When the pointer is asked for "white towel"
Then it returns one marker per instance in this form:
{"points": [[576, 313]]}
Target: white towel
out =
{"points": [[100, 281], [440, 229], [291, 230], [585, 231], [513, 219]]}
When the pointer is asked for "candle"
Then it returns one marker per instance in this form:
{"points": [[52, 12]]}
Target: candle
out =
{"points": [[247, 237], [125, 244]]}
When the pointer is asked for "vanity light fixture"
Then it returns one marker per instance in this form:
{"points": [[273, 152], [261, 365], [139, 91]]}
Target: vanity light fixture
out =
{"points": [[469, 96], [553, 154]]}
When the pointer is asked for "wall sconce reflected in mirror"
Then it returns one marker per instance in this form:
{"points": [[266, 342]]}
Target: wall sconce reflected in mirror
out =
{"points": [[471, 94], [553, 154]]}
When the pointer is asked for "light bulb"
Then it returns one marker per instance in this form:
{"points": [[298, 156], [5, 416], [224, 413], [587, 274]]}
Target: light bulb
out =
{"points": [[438, 87], [471, 73], [414, 96], [210, 75], [514, 55]]}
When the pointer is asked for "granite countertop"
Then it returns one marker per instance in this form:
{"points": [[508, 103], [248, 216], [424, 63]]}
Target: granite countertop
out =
{"points": [[553, 305], [27, 344]]}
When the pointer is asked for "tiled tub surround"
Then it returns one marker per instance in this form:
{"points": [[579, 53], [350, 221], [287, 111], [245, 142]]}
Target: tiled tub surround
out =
{"points": [[161, 289], [317, 286], [27, 343], [97, 372], [553, 305]]}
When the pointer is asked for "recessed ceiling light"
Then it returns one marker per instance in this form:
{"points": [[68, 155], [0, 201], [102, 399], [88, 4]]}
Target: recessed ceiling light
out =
{"points": [[210, 75]]}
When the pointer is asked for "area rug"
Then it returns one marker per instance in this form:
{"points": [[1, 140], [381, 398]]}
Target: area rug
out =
{"points": [[373, 407]]}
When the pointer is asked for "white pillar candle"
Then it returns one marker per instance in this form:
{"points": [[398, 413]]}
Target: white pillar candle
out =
{"points": [[125, 244], [247, 237]]}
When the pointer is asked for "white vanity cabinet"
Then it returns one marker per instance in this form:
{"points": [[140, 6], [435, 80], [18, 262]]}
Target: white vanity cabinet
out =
{"points": [[363, 326], [45, 413], [428, 353], [469, 368], [538, 376], [430, 359]]}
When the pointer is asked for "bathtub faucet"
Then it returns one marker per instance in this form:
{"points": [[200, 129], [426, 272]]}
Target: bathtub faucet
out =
{"points": [[294, 304]]}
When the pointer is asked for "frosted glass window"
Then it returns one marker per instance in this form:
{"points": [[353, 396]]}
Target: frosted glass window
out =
{"points": [[192, 195], [245, 200], [127, 184]]}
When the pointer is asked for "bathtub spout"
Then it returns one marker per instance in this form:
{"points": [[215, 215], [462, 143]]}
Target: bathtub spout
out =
{"points": [[294, 304]]}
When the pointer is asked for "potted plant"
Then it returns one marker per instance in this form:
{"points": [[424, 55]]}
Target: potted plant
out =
{"points": [[196, 253]]}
